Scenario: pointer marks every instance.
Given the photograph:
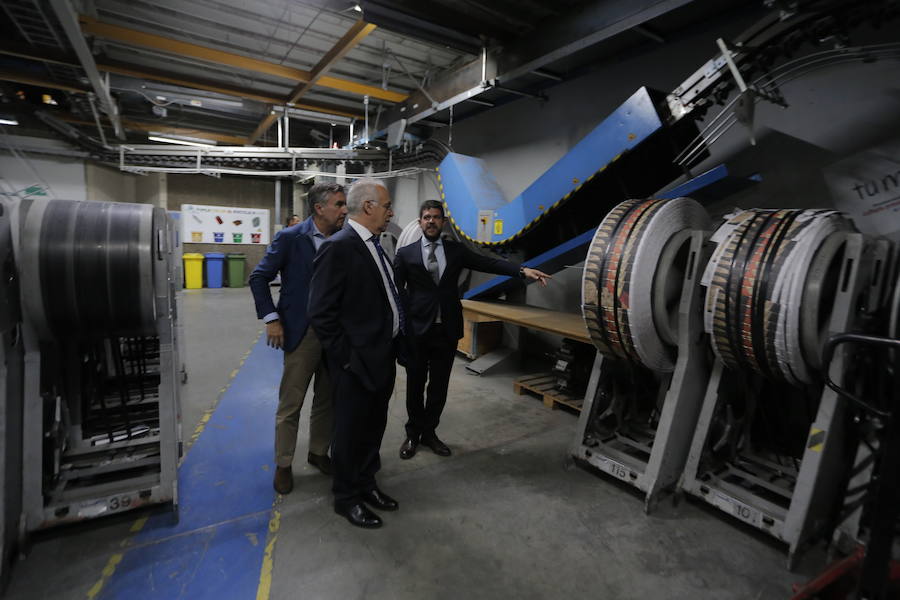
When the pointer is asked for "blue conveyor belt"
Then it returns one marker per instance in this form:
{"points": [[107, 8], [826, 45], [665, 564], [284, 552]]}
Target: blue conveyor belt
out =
{"points": [[467, 188], [574, 250]]}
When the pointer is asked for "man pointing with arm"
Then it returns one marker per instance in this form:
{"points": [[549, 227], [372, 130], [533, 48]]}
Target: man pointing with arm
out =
{"points": [[428, 271]]}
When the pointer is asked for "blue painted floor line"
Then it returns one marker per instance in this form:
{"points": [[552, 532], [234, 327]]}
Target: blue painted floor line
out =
{"points": [[225, 500]]}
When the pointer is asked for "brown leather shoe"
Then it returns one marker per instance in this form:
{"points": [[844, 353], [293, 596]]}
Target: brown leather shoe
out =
{"points": [[284, 480], [320, 461]]}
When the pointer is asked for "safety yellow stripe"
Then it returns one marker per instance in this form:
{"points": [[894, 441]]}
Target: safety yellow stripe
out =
{"points": [[265, 572]]}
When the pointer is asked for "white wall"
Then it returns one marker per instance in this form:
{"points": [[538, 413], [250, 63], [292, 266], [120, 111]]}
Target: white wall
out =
{"points": [[64, 178], [152, 189], [406, 199], [108, 184]]}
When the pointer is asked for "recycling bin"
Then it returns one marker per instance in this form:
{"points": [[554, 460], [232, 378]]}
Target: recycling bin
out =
{"points": [[215, 266], [236, 264], [193, 270]]}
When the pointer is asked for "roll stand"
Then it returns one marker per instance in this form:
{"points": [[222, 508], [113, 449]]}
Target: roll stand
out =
{"points": [[101, 422], [11, 372], [756, 454], [637, 424]]}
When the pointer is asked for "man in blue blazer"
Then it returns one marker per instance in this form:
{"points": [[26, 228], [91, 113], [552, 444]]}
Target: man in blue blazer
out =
{"points": [[428, 272], [291, 253], [356, 311]]}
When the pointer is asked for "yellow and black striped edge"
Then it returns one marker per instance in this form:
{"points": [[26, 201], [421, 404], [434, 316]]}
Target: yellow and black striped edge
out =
{"points": [[533, 222]]}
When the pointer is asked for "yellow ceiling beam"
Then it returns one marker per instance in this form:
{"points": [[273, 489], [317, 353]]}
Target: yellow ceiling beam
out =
{"points": [[163, 77], [134, 37], [146, 127], [19, 78], [232, 140], [361, 89], [263, 127], [348, 41], [209, 86], [141, 72]]}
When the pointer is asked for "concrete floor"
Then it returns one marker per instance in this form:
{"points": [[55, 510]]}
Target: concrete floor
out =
{"points": [[502, 518]]}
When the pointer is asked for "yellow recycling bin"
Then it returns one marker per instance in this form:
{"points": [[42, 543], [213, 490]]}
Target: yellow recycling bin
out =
{"points": [[193, 271]]}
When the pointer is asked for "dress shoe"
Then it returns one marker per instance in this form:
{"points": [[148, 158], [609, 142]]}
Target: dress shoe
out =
{"points": [[379, 499], [359, 515], [320, 461], [436, 445], [408, 449], [284, 480]]}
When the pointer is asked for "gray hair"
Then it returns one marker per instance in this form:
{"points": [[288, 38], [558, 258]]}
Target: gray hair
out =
{"points": [[319, 193], [362, 191]]}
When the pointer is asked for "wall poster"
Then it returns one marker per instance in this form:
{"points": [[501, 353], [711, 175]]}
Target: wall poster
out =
{"points": [[224, 225], [866, 186]]}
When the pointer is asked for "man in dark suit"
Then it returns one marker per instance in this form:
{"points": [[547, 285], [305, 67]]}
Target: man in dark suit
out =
{"points": [[356, 311], [291, 253], [428, 271]]}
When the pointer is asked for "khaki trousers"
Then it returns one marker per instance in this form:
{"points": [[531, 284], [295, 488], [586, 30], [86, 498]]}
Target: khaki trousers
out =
{"points": [[299, 367]]}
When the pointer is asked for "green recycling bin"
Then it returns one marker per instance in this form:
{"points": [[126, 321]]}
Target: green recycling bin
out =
{"points": [[236, 269]]}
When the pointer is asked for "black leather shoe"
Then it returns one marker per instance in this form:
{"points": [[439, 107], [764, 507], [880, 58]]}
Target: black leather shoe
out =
{"points": [[284, 480], [436, 445], [408, 449], [379, 499], [359, 515], [320, 461]]}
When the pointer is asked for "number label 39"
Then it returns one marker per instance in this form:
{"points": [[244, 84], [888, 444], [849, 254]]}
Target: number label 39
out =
{"points": [[119, 502]]}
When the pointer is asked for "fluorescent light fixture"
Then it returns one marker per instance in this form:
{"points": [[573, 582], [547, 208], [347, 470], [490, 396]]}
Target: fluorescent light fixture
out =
{"points": [[8, 122], [309, 115], [181, 142], [357, 8]]}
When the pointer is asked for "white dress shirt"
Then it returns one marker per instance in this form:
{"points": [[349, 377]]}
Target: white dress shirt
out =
{"points": [[366, 236]]}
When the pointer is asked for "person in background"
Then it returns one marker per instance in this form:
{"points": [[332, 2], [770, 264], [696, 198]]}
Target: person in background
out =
{"points": [[291, 254], [427, 273], [356, 311], [293, 220]]}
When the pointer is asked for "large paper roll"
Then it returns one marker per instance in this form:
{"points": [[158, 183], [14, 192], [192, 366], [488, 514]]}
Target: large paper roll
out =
{"points": [[755, 282], [620, 272], [88, 268]]}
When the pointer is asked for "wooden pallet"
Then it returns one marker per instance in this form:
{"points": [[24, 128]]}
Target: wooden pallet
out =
{"points": [[543, 386]]}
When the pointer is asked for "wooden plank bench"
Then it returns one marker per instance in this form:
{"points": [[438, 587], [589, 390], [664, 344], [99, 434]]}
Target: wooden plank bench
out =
{"points": [[568, 325]]}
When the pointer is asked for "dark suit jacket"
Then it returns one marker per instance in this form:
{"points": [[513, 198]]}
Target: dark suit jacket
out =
{"points": [[291, 252], [424, 297], [350, 311]]}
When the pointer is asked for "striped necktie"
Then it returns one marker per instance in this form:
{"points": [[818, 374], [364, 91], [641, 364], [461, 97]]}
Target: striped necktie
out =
{"points": [[401, 317]]}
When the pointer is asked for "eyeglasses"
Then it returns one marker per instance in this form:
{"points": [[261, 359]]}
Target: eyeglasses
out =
{"points": [[429, 218], [384, 206]]}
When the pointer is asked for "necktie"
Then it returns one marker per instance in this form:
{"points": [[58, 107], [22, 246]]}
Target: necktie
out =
{"points": [[383, 258], [435, 271], [433, 266]]}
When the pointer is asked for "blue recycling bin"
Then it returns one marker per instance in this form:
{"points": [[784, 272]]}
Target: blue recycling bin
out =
{"points": [[215, 268]]}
